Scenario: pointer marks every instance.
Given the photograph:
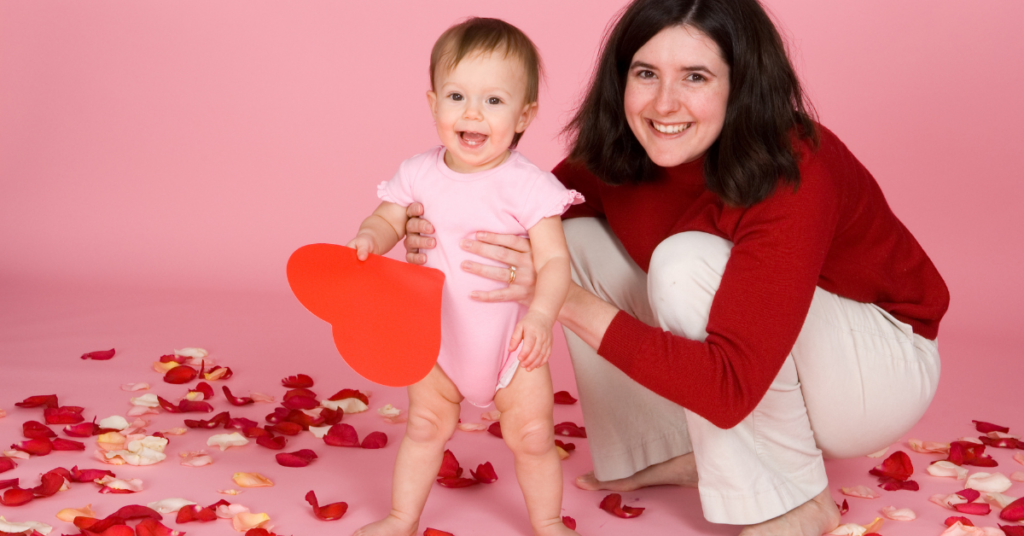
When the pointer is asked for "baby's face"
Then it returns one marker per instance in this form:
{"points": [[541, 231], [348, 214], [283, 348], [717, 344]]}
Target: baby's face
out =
{"points": [[478, 107]]}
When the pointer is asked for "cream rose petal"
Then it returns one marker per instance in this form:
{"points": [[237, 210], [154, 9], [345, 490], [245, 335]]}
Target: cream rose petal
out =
{"points": [[492, 416], [111, 441], [133, 484], [947, 469], [899, 514], [169, 506], [136, 411], [162, 368], [114, 422], [141, 386], [1001, 435], [990, 482], [389, 411], [260, 397], [148, 400], [849, 529], [348, 405], [1017, 476], [957, 529], [863, 492], [224, 441], [1019, 458], [227, 511], [68, 515], [929, 447], [879, 453], [247, 520], [319, 431], [195, 459], [195, 396], [998, 499], [947, 501], [174, 431], [138, 426], [192, 352], [230, 491], [215, 375], [252, 480], [18, 454], [26, 526], [472, 427]]}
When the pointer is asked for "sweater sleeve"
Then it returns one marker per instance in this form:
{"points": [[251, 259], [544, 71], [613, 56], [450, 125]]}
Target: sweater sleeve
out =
{"points": [[758, 311]]}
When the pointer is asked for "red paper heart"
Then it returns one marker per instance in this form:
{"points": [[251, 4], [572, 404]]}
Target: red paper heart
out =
{"points": [[385, 314]]}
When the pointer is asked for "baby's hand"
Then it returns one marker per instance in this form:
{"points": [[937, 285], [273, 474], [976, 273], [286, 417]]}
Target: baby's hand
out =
{"points": [[534, 331], [364, 244]]}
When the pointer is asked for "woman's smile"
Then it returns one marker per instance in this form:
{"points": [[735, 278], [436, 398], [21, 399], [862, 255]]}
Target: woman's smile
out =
{"points": [[668, 128]]}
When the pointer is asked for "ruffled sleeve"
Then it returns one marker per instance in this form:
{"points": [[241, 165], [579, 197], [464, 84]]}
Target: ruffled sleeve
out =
{"points": [[399, 189], [547, 198]]}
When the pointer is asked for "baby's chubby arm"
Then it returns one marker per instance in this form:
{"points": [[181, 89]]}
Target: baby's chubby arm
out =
{"points": [[380, 231], [551, 259]]}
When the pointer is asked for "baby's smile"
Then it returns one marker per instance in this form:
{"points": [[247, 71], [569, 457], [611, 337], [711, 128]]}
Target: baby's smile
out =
{"points": [[472, 139]]}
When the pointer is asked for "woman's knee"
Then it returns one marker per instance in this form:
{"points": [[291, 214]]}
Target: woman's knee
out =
{"points": [[685, 272]]}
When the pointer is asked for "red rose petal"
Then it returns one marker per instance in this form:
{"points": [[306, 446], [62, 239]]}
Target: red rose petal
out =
{"points": [[36, 430], [99, 526], [221, 419], [485, 473], [4, 484], [495, 429], [435, 532], [167, 358], [342, 435], [258, 532], [897, 466], [67, 444], [190, 406], [1013, 511], [36, 447], [180, 374], [299, 458], [978, 509], [108, 489], [241, 423], [300, 391], [194, 512], [167, 406], [570, 429], [300, 402], [568, 447], [236, 401], [287, 428], [350, 393], [958, 519], [212, 372], [16, 497], [255, 431], [101, 355], [137, 511], [152, 527], [6, 464], [1012, 530], [563, 397], [271, 441], [85, 429], [49, 401], [331, 416], [613, 505], [569, 522], [450, 482], [967, 453], [986, 427], [843, 508], [1001, 443], [969, 495], [63, 415], [203, 387], [89, 475], [449, 466], [302, 419], [297, 381], [50, 484], [375, 440], [328, 512]]}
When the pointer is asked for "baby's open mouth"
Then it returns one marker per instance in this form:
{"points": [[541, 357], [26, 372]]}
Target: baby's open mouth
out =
{"points": [[472, 139]]}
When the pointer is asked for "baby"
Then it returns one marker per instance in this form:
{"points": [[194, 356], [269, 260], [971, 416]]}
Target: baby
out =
{"points": [[484, 85]]}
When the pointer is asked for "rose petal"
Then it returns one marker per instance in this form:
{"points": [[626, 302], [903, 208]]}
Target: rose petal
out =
{"points": [[63, 415], [230, 491], [563, 397], [252, 480], [6, 464], [298, 380], [848, 529], [271, 441], [10, 483], [897, 466], [195, 459], [493, 415], [152, 527], [16, 497], [218, 373], [49, 401], [375, 440], [299, 458], [247, 520], [131, 387], [50, 484], [221, 419], [1013, 511], [998, 499], [286, 428], [948, 501], [196, 353], [36, 447], [1012, 530], [36, 430], [899, 514], [958, 519], [435, 532], [137, 511], [570, 429], [116, 484], [180, 374], [843, 508], [1019, 458], [1017, 476], [891, 484], [327, 512], [342, 435], [863, 492], [319, 431], [67, 444], [569, 522], [613, 505], [994, 482], [234, 400], [35, 527], [190, 406], [114, 422], [986, 427], [947, 469], [969, 495], [928, 447], [980, 509], [170, 506], [485, 473], [89, 475], [348, 405], [99, 355], [351, 393], [451, 482], [494, 429], [449, 466], [260, 397], [68, 515]]}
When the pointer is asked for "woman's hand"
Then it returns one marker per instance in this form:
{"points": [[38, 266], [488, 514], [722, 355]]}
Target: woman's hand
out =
{"points": [[510, 250], [534, 331], [415, 230]]}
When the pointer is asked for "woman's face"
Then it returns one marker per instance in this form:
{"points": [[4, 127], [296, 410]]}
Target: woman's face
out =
{"points": [[676, 93]]}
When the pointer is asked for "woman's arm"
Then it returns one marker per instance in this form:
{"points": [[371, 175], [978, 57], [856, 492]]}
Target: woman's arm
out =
{"points": [[380, 231]]}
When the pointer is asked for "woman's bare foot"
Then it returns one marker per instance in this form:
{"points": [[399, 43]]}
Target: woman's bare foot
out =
{"points": [[389, 526], [812, 518], [678, 471]]}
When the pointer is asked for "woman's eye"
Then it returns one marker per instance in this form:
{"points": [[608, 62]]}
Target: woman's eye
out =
{"points": [[455, 97], [493, 100], [696, 77], [645, 74]]}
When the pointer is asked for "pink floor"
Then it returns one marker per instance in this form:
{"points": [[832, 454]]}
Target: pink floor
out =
{"points": [[44, 328]]}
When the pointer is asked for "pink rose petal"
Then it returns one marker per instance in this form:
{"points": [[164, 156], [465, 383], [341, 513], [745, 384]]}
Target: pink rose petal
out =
{"points": [[898, 514], [131, 387], [862, 492], [1017, 476], [1019, 458], [929, 447]]}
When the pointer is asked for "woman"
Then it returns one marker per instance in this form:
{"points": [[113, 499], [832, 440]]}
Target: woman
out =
{"points": [[745, 301]]}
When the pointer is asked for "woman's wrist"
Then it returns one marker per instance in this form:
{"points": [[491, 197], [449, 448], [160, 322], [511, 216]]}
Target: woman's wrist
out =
{"points": [[586, 315]]}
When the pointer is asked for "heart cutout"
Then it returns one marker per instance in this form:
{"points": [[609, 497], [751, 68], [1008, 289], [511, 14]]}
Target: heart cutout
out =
{"points": [[385, 315]]}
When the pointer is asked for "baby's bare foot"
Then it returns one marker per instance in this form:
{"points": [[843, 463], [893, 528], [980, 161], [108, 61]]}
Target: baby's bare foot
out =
{"points": [[555, 529], [389, 526], [812, 518], [678, 471]]}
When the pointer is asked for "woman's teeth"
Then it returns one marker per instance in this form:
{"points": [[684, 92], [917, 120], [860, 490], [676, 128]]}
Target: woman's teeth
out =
{"points": [[670, 129]]}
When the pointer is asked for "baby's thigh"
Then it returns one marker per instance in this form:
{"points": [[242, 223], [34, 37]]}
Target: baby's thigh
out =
{"points": [[528, 397]]}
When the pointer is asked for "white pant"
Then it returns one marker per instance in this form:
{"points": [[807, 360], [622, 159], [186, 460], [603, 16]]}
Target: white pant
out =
{"points": [[856, 380]]}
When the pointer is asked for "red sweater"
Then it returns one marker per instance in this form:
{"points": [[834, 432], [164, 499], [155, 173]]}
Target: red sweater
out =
{"points": [[835, 231]]}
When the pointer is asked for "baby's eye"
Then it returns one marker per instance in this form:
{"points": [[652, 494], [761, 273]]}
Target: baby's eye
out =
{"points": [[457, 97], [493, 100]]}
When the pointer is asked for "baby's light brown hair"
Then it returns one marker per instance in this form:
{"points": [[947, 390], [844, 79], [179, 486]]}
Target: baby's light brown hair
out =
{"points": [[485, 35]]}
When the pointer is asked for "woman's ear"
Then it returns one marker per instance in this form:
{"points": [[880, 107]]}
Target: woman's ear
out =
{"points": [[525, 118]]}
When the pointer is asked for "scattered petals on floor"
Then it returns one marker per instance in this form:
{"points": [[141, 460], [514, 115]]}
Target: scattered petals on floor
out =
{"points": [[862, 492], [612, 504], [328, 512], [563, 397], [99, 355], [898, 514], [252, 480]]}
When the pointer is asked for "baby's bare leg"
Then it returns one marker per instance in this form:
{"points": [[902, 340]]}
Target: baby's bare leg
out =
{"points": [[433, 415], [528, 428]]}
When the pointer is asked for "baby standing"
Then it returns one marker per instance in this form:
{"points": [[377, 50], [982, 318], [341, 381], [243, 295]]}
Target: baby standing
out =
{"points": [[484, 84]]}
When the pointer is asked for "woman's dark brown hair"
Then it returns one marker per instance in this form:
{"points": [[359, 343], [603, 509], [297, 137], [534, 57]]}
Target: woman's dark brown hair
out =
{"points": [[765, 110]]}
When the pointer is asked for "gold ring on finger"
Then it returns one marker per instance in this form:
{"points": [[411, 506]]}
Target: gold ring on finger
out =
{"points": [[511, 274]]}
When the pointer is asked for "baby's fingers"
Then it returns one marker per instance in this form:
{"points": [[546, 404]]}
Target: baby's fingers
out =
{"points": [[517, 337]]}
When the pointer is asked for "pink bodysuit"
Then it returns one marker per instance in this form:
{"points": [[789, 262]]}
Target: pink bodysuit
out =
{"points": [[508, 199]]}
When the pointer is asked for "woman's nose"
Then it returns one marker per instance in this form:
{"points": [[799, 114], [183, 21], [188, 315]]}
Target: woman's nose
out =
{"points": [[667, 100]]}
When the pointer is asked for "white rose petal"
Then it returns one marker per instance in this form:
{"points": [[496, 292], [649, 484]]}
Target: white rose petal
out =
{"points": [[990, 482], [849, 529], [114, 422], [348, 405], [998, 499], [319, 431], [141, 386], [223, 441], [899, 514], [148, 400], [198, 353], [879, 454], [26, 526], [947, 469], [169, 506]]}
